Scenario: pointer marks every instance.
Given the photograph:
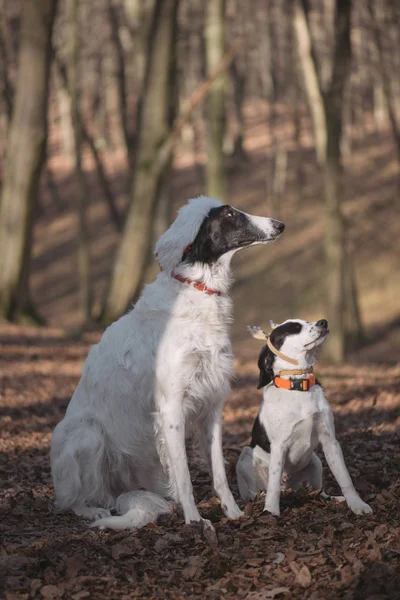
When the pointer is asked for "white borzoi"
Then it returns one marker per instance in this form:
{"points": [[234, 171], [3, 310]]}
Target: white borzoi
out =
{"points": [[294, 417], [165, 364]]}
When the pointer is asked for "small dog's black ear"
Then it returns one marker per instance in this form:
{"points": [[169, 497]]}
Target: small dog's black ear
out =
{"points": [[265, 364]]}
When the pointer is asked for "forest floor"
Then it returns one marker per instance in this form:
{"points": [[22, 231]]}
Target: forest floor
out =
{"points": [[313, 550]]}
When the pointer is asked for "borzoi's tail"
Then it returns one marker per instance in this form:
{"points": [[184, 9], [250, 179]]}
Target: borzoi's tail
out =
{"points": [[135, 509]]}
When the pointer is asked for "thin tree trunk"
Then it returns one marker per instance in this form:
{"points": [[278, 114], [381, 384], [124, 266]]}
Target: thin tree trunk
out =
{"points": [[64, 111], [25, 156], [121, 79], [310, 76], [279, 179], [326, 109], [352, 316], [152, 131], [215, 43], [335, 242], [238, 81], [88, 139], [380, 106], [385, 75], [80, 184]]}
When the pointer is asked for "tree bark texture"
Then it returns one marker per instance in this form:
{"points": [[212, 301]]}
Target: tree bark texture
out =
{"points": [[153, 126], [25, 153], [378, 28], [215, 44], [335, 242], [327, 116], [80, 183]]}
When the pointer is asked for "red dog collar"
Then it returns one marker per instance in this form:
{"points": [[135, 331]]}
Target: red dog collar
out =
{"points": [[196, 284], [298, 385]]}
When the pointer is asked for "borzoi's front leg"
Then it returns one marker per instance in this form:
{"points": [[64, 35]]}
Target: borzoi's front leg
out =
{"points": [[335, 460], [173, 431], [221, 487], [276, 463]]}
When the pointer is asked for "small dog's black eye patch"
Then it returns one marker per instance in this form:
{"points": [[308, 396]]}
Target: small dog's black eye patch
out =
{"points": [[282, 331]]}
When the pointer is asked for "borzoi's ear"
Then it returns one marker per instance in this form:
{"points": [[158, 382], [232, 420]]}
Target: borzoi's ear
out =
{"points": [[172, 244], [265, 364]]}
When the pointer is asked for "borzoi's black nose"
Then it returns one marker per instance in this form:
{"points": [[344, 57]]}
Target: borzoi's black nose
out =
{"points": [[322, 323], [278, 225]]}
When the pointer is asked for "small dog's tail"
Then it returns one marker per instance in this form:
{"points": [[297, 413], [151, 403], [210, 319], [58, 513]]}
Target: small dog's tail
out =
{"points": [[135, 509]]}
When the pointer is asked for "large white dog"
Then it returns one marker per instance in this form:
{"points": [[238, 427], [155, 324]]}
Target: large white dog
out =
{"points": [[165, 364]]}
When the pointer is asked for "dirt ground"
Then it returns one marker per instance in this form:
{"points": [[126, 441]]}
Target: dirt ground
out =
{"points": [[314, 550]]}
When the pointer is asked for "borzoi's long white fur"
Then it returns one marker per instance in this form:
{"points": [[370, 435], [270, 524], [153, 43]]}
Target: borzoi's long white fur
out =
{"points": [[166, 363]]}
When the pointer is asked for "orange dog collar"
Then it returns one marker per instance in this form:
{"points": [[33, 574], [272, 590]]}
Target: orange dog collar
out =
{"points": [[298, 385]]}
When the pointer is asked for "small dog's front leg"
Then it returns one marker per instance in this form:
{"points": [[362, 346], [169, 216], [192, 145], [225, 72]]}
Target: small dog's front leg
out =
{"points": [[335, 460], [276, 464], [214, 439]]}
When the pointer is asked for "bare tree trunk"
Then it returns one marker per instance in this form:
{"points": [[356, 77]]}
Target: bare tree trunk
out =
{"points": [[26, 151], [352, 316], [121, 83], [380, 106], [326, 109], [236, 149], [80, 184], [215, 43], [88, 139], [376, 18], [335, 240], [152, 130], [64, 111], [7, 92], [310, 76], [279, 179]]}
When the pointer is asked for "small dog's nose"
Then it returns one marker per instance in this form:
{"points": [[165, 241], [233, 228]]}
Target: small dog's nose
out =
{"points": [[322, 323], [279, 226]]}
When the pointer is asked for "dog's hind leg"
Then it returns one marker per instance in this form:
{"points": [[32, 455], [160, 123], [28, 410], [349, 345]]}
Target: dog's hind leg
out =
{"points": [[136, 509], [80, 469], [310, 475], [245, 475]]}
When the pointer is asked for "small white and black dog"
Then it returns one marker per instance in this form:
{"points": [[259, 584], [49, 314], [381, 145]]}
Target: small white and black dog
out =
{"points": [[294, 417], [164, 365]]}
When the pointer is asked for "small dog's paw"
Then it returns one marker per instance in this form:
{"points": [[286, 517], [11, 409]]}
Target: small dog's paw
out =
{"points": [[361, 508]]}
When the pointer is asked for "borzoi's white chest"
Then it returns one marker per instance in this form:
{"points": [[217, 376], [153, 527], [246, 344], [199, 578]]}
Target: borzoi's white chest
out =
{"points": [[210, 361]]}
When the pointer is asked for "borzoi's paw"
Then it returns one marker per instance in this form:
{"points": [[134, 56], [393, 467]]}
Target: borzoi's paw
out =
{"points": [[207, 525], [273, 509], [233, 512], [359, 507], [91, 512], [202, 524]]}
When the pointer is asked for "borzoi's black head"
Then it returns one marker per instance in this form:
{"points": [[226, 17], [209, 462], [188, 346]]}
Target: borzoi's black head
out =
{"points": [[227, 229], [211, 229]]}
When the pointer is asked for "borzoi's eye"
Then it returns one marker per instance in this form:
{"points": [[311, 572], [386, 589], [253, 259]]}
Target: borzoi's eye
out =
{"points": [[230, 214]]}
